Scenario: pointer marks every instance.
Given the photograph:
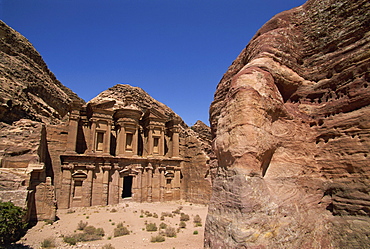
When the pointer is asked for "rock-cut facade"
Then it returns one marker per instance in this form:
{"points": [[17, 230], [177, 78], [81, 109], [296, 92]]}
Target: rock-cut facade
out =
{"points": [[113, 154]]}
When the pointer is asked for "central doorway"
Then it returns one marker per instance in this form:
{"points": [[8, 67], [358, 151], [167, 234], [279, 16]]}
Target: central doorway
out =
{"points": [[127, 187]]}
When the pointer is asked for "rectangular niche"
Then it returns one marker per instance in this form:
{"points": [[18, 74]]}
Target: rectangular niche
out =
{"points": [[99, 141], [129, 141]]}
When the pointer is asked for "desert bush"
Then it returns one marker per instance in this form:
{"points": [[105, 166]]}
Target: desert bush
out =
{"points": [[100, 232], [90, 233], [155, 215], [70, 239], [170, 232], [184, 217], [113, 210], [197, 219], [182, 224], [157, 238], [151, 227], [120, 230], [162, 225], [178, 210], [81, 225], [108, 246], [89, 230], [167, 214], [49, 222], [48, 243], [195, 232], [12, 224]]}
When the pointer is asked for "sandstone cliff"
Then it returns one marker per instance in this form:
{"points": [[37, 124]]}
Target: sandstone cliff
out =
{"points": [[291, 124], [30, 98], [28, 89]]}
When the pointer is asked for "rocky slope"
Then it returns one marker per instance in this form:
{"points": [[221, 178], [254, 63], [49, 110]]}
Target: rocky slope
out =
{"points": [[291, 124], [28, 89]]}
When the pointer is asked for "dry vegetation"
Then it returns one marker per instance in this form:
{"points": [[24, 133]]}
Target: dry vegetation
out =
{"points": [[128, 225]]}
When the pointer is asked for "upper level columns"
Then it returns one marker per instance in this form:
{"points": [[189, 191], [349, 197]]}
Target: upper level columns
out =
{"points": [[74, 117], [128, 131]]}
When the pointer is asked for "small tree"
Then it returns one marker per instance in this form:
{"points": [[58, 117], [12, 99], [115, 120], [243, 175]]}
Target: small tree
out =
{"points": [[12, 224]]}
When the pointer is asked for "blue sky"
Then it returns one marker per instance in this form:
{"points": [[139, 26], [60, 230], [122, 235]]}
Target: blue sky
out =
{"points": [[176, 50]]}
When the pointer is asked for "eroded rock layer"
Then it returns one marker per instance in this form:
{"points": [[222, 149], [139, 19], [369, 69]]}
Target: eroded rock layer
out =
{"points": [[28, 88], [292, 134]]}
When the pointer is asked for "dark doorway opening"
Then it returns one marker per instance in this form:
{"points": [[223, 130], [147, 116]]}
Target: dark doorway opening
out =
{"points": [[127, 186]]}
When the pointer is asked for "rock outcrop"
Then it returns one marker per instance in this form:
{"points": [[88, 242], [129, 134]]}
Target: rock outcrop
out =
{"points": [[30, 98], [28, 88], [292, 134]]}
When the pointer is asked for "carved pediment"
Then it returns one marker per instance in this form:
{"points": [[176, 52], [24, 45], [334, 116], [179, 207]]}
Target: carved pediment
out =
{"points": [[154, 114]]}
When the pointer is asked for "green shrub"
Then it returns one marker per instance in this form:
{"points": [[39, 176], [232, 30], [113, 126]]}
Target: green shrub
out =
{"points": [[70, 239], [151, 227], [158, 238], [120, 230], [100, 232], [182, 224], [108, 246], [81, 225], [195, 232], [170, 232], [12, 224], [49, 222], [48, 243], [184, 217], [197, 219], [162, 225], [177, 211], [89, 230]]}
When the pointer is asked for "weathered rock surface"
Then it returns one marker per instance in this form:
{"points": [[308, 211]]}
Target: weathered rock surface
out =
{"points": [[292, 134], [30, 98], [28, 89]]}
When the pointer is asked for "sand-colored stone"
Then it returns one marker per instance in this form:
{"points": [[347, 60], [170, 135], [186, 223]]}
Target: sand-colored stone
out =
{"points": [[291, 125]]}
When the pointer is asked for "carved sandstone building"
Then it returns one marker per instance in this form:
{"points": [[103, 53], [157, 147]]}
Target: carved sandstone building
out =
{"points": [[114, 154]]}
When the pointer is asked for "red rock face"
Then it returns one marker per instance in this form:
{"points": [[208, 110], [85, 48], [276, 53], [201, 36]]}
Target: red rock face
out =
{"points": [[291, 124]]}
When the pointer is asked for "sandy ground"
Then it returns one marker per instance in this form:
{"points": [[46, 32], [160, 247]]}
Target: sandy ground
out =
{"points": [[128, 212]]}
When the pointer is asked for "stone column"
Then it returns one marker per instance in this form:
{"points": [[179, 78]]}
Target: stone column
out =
{"points": [[138, 194], [161, 143], [176, 183], [120, 150], [149, 176], [135, 141], [106, 142], [175, 142], [114, 188], [91, 149], [106, 168], [89, 184], [150, 141], [144, 183], [72, 132], [65, 196], [162, 184]]}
